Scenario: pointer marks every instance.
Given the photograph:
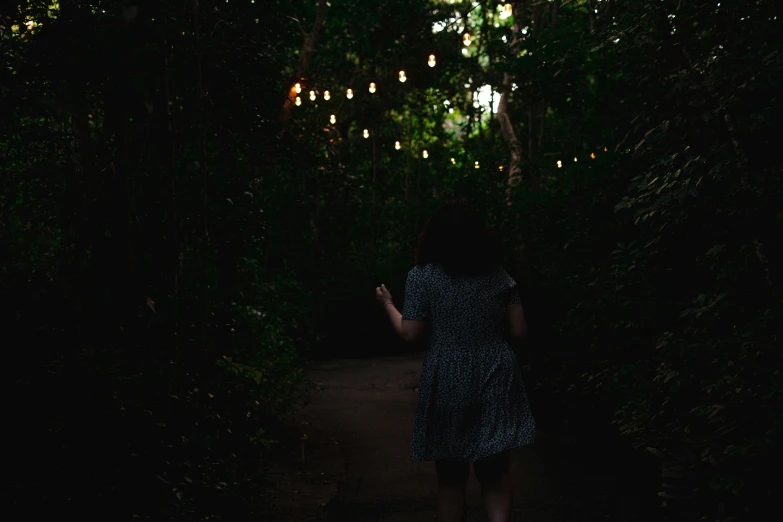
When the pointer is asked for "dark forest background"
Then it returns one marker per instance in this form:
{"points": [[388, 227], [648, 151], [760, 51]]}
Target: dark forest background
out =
{"points": [[177, 240]]}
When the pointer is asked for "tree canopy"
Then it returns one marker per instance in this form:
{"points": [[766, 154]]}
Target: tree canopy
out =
{"points": [[183, 226]]}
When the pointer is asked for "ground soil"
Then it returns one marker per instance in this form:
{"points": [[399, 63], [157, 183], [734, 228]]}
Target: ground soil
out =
{"points": [[352, 463]]}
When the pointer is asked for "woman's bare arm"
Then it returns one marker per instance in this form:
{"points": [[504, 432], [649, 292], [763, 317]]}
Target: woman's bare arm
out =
{"points": [[517, 325]]}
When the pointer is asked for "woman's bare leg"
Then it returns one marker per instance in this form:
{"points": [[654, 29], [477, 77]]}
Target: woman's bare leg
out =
{"points": [[496, 497], [451, 501], [452, 495], [494, 474]]}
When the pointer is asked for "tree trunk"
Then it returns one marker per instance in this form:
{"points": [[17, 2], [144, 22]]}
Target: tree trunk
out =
{"points": [[308, 48], [506, 127], [544, 108], [374, 203]]}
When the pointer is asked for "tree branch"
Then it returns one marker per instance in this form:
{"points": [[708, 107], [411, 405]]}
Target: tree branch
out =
{"points": [[299, 26]]}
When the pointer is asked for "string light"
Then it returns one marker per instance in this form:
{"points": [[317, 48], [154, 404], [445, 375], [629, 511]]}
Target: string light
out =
{"points": [[559, 164], [592, 155], [507, 10]]}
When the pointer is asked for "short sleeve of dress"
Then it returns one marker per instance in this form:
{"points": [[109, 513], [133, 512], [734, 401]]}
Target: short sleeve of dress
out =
{"points": [[513, 295], [512, 291], [416, 306]]}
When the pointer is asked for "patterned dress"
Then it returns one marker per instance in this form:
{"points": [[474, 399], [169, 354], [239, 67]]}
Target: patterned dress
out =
{"points": [[471, 401]]}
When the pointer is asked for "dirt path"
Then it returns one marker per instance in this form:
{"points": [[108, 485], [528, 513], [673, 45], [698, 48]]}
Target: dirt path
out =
{"points": [[357, 467]]}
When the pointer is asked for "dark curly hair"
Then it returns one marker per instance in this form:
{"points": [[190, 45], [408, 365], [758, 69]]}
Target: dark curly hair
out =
{"points": [[457, 238]]}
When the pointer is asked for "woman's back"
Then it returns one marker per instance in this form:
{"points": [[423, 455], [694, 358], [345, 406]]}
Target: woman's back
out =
{"points": [[465, 311]]}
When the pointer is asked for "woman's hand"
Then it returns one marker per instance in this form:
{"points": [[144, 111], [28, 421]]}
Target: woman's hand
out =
{"points": [[382, 295]]}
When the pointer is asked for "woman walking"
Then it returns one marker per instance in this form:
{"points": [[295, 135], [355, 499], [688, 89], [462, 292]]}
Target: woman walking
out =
{"points": [[472, 405]]}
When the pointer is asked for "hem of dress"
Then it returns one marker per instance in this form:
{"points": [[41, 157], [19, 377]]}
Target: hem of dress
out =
{"points": [[508, 448]]}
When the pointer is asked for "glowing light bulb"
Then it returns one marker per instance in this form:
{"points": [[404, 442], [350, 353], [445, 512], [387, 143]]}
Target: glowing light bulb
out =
{"points": [[298, 88], [372, 88], [397, 145], [431, 61], [559, 164], [466, 39], [508, 10], [453, 161], [425, 154], [402, 76], [500, 168], [575, 159], [476, 166], [327, 95], [592, 155], [332, 119], [604, 149], [298, 101], [312, 95], [349, 94], [366, 133]]}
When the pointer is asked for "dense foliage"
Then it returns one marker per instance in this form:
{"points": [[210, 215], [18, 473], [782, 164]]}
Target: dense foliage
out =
{"points": [[177, 239]]}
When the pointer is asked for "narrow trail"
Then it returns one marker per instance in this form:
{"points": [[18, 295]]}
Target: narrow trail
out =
{"points": [[356, 464]]}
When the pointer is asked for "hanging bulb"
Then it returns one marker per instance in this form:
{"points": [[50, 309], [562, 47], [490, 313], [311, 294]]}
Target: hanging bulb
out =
{"points": [[466, 39], [592, 155], [312, 95], [372, 88], [575, 159], [431, 61], [332, 119], [349, 94], [500, 168], [298, 101], [604, 149], [425, 154], [559, 164], [402, 76], [397, 145], [298, 88], [327, 95], [453, 161], [366, 133], [477, 165]]}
